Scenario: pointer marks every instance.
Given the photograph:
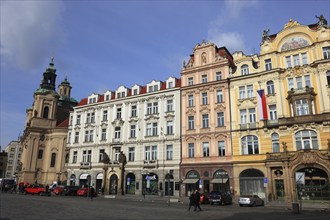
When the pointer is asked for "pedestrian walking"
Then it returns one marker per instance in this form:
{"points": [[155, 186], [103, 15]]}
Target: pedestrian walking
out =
{"points": [[192, 200], [91, 192], [197, 200]]}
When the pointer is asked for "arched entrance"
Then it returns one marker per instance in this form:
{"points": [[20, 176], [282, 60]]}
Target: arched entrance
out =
{"points": [[150, 184], [130, 183], [84, 180], [99, 179], [251, 181], [191, 181], [316, 184], [72, 180], [113, 187], [221, 181], [169, 185]]}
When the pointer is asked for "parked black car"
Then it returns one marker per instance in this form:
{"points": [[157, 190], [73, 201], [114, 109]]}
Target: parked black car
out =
{"points": [[70, 190], [221, 198]]}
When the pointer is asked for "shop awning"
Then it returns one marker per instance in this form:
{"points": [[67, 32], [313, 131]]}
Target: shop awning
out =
{"points": [[224, 180], [190, 181], [84, 176], [99, 176]]}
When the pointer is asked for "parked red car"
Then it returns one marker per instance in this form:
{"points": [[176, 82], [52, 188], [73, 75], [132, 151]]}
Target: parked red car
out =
{"points": [[58, 190], [35, 189], [84, 192], [204, 198]]}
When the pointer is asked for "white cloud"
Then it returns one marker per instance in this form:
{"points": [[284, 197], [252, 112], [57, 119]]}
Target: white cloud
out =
{"points": [[30, 31], [231, 40], [229, 14]]}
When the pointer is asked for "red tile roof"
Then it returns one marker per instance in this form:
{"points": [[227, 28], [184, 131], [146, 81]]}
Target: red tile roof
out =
{"points": [[64, 124]]}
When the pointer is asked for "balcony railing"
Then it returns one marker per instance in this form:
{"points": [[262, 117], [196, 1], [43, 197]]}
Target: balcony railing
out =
{"points": [[302, 119]]}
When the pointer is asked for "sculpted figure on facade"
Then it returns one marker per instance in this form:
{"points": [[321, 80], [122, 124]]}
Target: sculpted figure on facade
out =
{"points": [[322, 21], [265, 36]]}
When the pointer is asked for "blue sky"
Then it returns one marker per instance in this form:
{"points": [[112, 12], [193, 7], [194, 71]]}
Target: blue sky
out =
{"points": [[101, 45]]}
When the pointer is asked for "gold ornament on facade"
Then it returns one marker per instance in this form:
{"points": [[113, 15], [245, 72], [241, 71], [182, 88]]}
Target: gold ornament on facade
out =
{"points": [[291, 24]]}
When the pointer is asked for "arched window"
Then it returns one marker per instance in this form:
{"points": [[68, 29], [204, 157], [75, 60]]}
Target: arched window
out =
{"points": [[306, 139], [270, 87], [244, 70], [53, 160], [250, 144], [275, 143], [45, 113]]}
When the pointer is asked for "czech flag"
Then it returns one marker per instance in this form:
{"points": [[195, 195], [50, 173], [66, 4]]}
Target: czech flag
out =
{"points": [[262, 106]]}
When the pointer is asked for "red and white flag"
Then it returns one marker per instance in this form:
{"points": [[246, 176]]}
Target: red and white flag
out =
{"points": [[262, 105]]}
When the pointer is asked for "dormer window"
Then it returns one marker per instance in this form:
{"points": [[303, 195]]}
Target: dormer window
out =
{"points": [[156, 88], [92, 100], [120, 95], [245, 70], [135, 91], [170, 85], [107, 97]]}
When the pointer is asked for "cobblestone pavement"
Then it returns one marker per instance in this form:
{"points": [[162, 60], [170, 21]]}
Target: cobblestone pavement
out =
{"points": [[17, 206]]}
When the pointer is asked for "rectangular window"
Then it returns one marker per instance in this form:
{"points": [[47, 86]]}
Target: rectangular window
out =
{"points": [[221, 148], [104, 134], [131, 153], [204, 78], [290, 83], [76, 137], [190, 100], [149, 129], [288, 61], [135, 92], [326, 52], [117, 132], [118, 113], [133, 111], [268, 64], [169, 127], [296, 60], [149, 108], [170, 105], [304, 58], [133, 131], [88, 118], [75, 156], [204, 98], [170, 85], [150, 88], [101, 153], [191, 123], [154, 129], [91, 135], [92, 117], [107, 97], [218, 75], [155, 107], [86, 136], [69, 137], [205, 120], [307, 81], [302, 107], [252, 115], [206, 149], [147, 153], [242, 92], [220, 119], [190, 81], [155, 88], [272, 112], [89, 156], [243, 116], [105, 115], [117, 153], [154, 153], [299, 82], [71, 119], [169, 152], [40, 153], [219, 96], [191, 150], [250, 91], [78, 119]]}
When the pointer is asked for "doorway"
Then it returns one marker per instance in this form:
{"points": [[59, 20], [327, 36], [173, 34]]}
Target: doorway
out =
{"points": [[113, 184], [279, 185]]}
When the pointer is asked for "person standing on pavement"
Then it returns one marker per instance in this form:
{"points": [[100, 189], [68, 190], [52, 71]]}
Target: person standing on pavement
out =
{"points": [[91, 192], [197, 200], [192, 200]]}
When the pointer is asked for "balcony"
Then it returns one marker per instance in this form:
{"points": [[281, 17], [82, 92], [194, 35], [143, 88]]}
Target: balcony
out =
{"points": [[247, 126], [303, 119]]}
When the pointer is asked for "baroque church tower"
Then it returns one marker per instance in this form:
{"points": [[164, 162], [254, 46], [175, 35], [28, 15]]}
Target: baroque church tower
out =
{"points": [[45, 134]]}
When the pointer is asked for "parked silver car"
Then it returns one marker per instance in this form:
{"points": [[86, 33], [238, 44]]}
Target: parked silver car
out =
{"points": [[250, 200]]}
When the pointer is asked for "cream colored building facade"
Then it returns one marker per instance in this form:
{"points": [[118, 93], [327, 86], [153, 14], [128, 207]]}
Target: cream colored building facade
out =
{"points": [[45, 134], [128, 141], [206, 143], [284, 149]]}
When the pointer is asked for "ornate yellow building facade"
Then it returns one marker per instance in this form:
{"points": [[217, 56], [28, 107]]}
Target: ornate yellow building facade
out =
{"points": [[280, 107]]}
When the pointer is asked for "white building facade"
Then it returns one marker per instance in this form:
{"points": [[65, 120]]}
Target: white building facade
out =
{"points": [[128, 141], [14, 151]]}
